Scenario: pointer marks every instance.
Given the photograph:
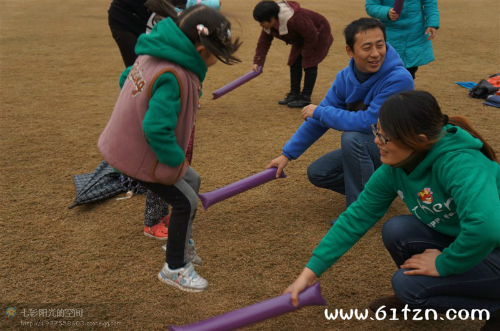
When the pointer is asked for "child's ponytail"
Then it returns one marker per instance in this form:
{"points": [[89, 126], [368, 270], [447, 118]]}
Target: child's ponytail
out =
{"points": [[216, 35]]}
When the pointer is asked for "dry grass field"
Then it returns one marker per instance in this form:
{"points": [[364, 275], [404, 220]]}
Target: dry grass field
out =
{"points": [[59, 69]]}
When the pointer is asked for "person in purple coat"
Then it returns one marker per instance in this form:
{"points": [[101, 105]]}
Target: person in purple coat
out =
{"points": [[309, 34]]}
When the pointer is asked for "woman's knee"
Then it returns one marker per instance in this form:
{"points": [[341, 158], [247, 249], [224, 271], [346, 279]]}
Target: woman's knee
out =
{"points": [[408, 289], [397, 229]]}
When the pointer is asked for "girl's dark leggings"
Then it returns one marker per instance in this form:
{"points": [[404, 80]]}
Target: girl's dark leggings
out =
{"points": [[183, 197]]}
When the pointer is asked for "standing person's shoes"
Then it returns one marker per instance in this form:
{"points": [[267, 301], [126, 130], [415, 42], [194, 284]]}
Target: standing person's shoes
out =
{"points": [[289, 97], [185, 278], [158, 231], [301, 102]]}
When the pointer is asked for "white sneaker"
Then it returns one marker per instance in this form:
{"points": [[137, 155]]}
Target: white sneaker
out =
{"points": [[192, 256], [184, 278]]}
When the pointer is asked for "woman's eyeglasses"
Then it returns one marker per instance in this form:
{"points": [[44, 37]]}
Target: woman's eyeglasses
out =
{"points": [[383, 139]]}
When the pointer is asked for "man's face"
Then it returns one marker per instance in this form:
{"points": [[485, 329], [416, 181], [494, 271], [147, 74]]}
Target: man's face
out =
{"points": [[369, 50]]}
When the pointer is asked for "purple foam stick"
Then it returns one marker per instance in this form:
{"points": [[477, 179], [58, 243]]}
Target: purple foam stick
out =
{"points": [[209, 198], [258, 312], [236, 83], [398, 6]]}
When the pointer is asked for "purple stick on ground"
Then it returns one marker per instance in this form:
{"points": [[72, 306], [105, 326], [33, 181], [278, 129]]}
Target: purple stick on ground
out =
{"points": [[236, 83], [258, 312], [209, 198], [398, 6]]}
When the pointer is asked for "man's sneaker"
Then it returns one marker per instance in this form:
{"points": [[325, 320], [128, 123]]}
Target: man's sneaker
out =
{"points": [[192, 256], [301, 102], [165, 220], [289, 97], [184, 278], [159, 231]]}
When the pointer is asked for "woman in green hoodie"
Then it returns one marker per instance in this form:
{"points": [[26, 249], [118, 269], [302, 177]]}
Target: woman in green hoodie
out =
{"points": [[448, 250]]}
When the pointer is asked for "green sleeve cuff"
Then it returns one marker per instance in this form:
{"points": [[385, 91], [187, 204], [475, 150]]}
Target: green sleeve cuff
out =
{"points": [[441, 269], [317, 265]]}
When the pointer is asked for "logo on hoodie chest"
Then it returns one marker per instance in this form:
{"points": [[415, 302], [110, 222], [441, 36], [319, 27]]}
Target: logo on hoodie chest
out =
{"points": [[135, 76], [426, 205], [426, 196]]}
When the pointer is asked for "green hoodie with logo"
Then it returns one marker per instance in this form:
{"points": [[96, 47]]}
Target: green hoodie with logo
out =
{"points": [[455, 190], [168, 42]]}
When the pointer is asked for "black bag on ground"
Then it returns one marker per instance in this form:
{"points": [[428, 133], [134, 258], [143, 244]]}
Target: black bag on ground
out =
{"points": [[482, 90]]}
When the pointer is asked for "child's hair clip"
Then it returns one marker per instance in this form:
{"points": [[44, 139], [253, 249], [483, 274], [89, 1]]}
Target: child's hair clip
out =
{"points": [[202, 30], [225, 36]]}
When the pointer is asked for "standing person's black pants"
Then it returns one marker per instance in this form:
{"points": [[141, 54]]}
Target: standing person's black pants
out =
{"points": [[125, 39], [296, 78]]}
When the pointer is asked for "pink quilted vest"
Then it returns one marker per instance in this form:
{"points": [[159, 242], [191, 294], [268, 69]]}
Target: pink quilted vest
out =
{"points": [[123, 144]]}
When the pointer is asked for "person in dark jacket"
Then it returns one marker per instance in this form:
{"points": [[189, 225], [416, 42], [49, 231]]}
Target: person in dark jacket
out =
{"points": [[127, 20], [310, 36]]}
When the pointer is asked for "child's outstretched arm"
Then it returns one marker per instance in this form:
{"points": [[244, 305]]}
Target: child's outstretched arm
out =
{"points": [[161, 119]]}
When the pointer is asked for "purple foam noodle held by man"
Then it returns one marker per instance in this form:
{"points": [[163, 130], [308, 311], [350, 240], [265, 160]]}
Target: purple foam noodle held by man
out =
{"points": [[212, 197]]}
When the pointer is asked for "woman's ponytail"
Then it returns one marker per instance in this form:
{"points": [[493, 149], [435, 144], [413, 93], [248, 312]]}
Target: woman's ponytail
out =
{"points": [[406, 115], [465, 124]]}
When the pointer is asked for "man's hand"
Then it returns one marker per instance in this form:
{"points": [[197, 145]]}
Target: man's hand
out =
{"points": [[280, 162], [422, 264], [431, 32], [393, 15], [308, 111], [255, 67]]}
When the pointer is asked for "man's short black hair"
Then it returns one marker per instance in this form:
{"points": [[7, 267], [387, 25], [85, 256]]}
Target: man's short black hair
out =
{"points": [[265, 10], [361, 25]]}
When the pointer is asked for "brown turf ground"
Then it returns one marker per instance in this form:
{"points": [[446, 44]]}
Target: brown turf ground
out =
{"points": [[59, 81]]}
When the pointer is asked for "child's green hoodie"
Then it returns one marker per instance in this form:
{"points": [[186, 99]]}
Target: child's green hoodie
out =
{"points": [[455, 190], [168, 42]]}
